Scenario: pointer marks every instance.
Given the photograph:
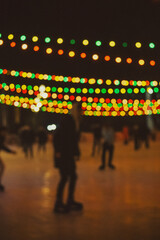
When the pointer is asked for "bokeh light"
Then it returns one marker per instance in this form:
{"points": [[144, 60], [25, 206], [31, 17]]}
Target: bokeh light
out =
{"points": [[152, 63], [49, 50], [23, 38], [107, 58], [72, 41], [10, 36], [138, 45], [118, 60], [95, 57], [112, 44], [60, 52], [129, 60], [71, 54], [98, 43], [83, 55], [24, 46], [141, 62], [85, 42], [151, 45], [12, 44], [1, 42], [36, 48], [34, 38], [59, 40], [47, 39]]}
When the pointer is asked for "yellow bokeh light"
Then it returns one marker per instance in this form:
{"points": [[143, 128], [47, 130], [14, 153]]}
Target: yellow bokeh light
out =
{"points": [[138, 45], [34, 38], [71, 53], [118, 60], [49, 50], [10, 36], [91, 81], [108, 82], [141, 62], [85, 42], [1, 42], [112, 44], [59, 40]]}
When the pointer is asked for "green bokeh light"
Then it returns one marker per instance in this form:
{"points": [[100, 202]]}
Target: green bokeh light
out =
{"points": [[125, 44], [47, 39], [98, 43], [23, 38], [151, 45], [72, 41]]}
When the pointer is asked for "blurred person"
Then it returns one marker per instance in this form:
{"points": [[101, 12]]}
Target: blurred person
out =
{"points": [[27, 137], [96, 139], [42, 139], [136, 136], [144, 134], [125, 132], [108, 136], [66, 139], [6, 149]]}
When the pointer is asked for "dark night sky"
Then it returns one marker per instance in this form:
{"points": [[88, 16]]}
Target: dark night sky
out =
{"points": [[136, 20]]}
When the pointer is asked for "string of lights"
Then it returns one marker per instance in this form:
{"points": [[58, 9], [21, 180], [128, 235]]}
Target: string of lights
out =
{"points": [[60, 92], [84, 55], [84, 42], [90, 81], [112, 107]]}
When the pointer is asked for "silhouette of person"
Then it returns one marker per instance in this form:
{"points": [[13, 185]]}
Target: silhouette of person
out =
{"points": [[6, 149], [108, 145], [96, 138], [65, 140], [144, 133], [125, 132], [136, 136], [27, 137], [42, 139]]}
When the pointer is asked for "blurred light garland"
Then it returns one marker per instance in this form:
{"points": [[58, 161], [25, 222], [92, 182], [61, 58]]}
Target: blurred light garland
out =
{"points": [[48, 91], [113, 107], [71, 53], [84, 42], [91, 81]]}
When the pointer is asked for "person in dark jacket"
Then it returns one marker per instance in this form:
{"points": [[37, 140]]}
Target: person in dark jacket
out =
{"points": [[42, 139], [66, 139], [6, 149]]}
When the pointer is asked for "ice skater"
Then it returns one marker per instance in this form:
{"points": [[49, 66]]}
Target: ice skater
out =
{"points": [[108, 145], [66, 148], [6, 149]]}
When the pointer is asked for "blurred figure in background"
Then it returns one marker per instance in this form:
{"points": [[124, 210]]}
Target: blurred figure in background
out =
{"points": [[136, 136], [125, 132], [27, 138], [6, 149], [108, 136], [144, 134], [42, 139], [66, 139], [96, 138]]}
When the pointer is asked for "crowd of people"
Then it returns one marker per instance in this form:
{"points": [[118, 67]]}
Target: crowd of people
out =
{"points": [[66, 150]]}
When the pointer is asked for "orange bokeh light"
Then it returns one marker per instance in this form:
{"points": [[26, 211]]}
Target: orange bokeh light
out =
{"points": [[83, 55], [12, 44], [129, 60], [107, 58], [60, 52], [152, 63], [36, 48]]}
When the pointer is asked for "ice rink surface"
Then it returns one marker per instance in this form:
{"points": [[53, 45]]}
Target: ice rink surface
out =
{"points": [[118, 204]]}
